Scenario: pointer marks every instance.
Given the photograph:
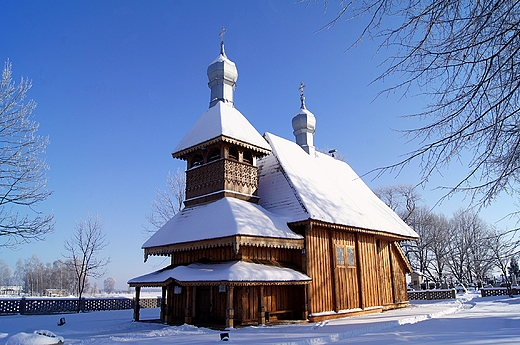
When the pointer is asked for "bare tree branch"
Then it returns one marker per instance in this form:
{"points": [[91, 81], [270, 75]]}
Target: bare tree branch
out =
{"points": [[464, 57], [83, 249]]}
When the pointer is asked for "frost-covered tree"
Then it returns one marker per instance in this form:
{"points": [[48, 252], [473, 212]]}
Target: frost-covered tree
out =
{"points": [[83, 252], [6, 274], [109, 284], [22, 166]]}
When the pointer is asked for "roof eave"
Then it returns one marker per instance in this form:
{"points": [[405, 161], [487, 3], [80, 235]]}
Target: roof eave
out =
{"points": [[236, 241], [181, 154], [392, 236]]}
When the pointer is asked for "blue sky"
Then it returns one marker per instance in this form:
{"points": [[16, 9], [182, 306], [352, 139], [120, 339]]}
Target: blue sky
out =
{"points": [[119, 83]]}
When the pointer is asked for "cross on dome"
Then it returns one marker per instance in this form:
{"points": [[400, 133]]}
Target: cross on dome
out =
{"points": [[222, 34], [302, 94]]}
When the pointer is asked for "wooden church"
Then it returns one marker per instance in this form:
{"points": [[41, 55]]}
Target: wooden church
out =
{"points": [[271, 229]]}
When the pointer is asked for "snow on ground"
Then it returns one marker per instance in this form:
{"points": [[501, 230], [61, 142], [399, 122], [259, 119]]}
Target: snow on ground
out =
{"points": [[468, 320]]}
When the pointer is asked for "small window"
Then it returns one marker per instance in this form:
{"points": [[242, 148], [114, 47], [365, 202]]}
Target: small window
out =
{"points": [[248, 157], [197, 160], [340, 256], [214, 155], [351, 256], [233, 153]]}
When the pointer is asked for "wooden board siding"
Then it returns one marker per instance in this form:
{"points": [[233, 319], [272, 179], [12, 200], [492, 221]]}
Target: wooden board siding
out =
{"points": [[246, 303], [227, 253], [318, 254], [399, 274], [213, 254], [293, 256], [276, 297], [385, 272], [369, 270], [345, 276], [175, 305]]}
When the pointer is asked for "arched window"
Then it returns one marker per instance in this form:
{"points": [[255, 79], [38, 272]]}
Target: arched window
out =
{"points": [[248, 157], [214, 154], [233, 153], [197, 160]]}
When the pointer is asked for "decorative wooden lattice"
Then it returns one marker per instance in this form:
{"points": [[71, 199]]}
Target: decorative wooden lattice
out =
{"points": [[223, 174]]}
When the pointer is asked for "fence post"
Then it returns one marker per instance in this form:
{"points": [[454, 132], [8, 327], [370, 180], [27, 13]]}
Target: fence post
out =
{"points": [[22, 306], [82, 304]]}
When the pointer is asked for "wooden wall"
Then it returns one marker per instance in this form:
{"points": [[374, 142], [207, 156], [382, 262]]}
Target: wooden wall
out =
{"points": [[319, 269], [290, 256], [369, 270], [276, 297], [376, 279], [346, 276], [213, 254], [385, 272], [399, 274]]}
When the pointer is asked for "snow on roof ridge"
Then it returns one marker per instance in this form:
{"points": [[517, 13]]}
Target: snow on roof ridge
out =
{"points": [[222, 120]]}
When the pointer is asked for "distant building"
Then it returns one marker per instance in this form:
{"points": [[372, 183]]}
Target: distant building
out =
{"points": [[272, 229], [11, 290]]}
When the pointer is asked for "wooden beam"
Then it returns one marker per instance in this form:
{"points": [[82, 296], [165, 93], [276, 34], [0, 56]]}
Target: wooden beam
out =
{"points": [[137, 305], [332, 260], [168, 310], [187, 310], [392, 275], [230, 312], [359, 274], [261, 306], [163, 303]]}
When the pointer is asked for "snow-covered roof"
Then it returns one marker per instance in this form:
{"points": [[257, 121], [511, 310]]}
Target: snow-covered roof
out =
{"points": [[222, 120], [231, 271], [221, 218], [300, 186]]}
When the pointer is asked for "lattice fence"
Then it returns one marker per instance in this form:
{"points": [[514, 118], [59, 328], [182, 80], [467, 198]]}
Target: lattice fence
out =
{"points": [[35, 306], [432, 294], [486, 292]]}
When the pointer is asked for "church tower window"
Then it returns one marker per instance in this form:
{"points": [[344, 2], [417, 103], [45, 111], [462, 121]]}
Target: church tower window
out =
{"points": [[248, 157], [197, 160], [214, 154], [233, 153]]}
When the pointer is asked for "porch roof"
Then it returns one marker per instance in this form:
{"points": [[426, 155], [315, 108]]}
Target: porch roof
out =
{"points": [[231, 272]]}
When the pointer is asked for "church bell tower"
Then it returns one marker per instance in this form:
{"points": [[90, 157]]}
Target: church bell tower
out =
{"points": [[222, 147]]}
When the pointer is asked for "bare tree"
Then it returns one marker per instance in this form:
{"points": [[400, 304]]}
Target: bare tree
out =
{"points": [[464, 58], [402, 199], [167, 202], [83, 250], [22, 168], [438, 248], [418, 252], [503, 247], [109, 284]]}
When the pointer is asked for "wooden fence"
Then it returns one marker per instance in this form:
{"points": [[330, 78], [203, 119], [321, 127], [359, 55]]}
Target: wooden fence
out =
{"points": [[432, 294], [39, 306]]}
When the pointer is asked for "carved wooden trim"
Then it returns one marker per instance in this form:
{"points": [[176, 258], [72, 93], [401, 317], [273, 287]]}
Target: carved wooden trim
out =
{"points": [[258, 150], [381, 234], [236, 241]]}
